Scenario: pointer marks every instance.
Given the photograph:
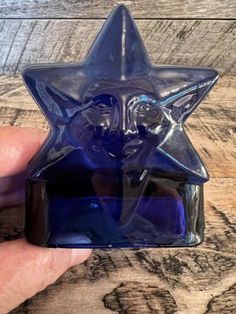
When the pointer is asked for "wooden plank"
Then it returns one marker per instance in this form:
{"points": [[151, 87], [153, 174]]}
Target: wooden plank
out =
{"points": [[100, 9], [194, 280], [199, 280], [211, 128], [187, 42]]}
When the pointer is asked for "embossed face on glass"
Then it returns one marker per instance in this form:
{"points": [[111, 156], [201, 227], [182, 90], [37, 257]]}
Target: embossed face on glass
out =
{"points": [[118, 126], [116, 109]]}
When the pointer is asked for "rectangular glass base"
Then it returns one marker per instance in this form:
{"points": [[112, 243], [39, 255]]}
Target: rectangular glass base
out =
{"points": [[174, 217]]}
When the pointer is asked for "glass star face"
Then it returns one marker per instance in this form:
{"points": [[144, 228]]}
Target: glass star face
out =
{"points": [[117, 168]]}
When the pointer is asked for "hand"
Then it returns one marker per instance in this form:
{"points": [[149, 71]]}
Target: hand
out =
{"points": [[25, 269]]}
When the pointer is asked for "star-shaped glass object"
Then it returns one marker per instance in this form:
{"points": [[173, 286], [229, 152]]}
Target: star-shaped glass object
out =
{"points": [[117, 169]]}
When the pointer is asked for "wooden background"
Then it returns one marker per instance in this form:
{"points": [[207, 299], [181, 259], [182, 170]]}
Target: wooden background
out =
{"points": [[192, 281]]}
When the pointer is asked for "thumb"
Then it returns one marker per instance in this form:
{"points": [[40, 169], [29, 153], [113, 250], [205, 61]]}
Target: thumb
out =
{"points": [[26, 269]]}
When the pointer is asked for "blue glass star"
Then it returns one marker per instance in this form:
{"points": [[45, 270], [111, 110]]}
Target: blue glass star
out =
{"points": [[116, 120]]}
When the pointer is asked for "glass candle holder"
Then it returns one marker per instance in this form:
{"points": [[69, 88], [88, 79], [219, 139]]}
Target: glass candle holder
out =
{"points": [[117, 169]]}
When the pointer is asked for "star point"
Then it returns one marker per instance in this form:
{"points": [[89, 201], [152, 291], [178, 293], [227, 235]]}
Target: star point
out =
{"points": [[118, 64]]}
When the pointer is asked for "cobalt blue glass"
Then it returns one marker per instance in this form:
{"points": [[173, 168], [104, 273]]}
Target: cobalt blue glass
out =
{"points": [[117, 169]]}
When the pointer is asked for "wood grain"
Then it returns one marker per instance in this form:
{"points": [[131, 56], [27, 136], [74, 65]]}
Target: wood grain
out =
{"points": [[217, 304], [199, 280], [100, 9], [187, 42]]}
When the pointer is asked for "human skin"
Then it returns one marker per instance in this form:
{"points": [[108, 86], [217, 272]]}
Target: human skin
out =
{"points": [[25, 269]]}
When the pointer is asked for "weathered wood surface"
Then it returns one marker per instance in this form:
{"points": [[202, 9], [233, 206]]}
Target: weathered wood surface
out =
{"points": [[100, 9], [198, 280], [188, 42]]}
